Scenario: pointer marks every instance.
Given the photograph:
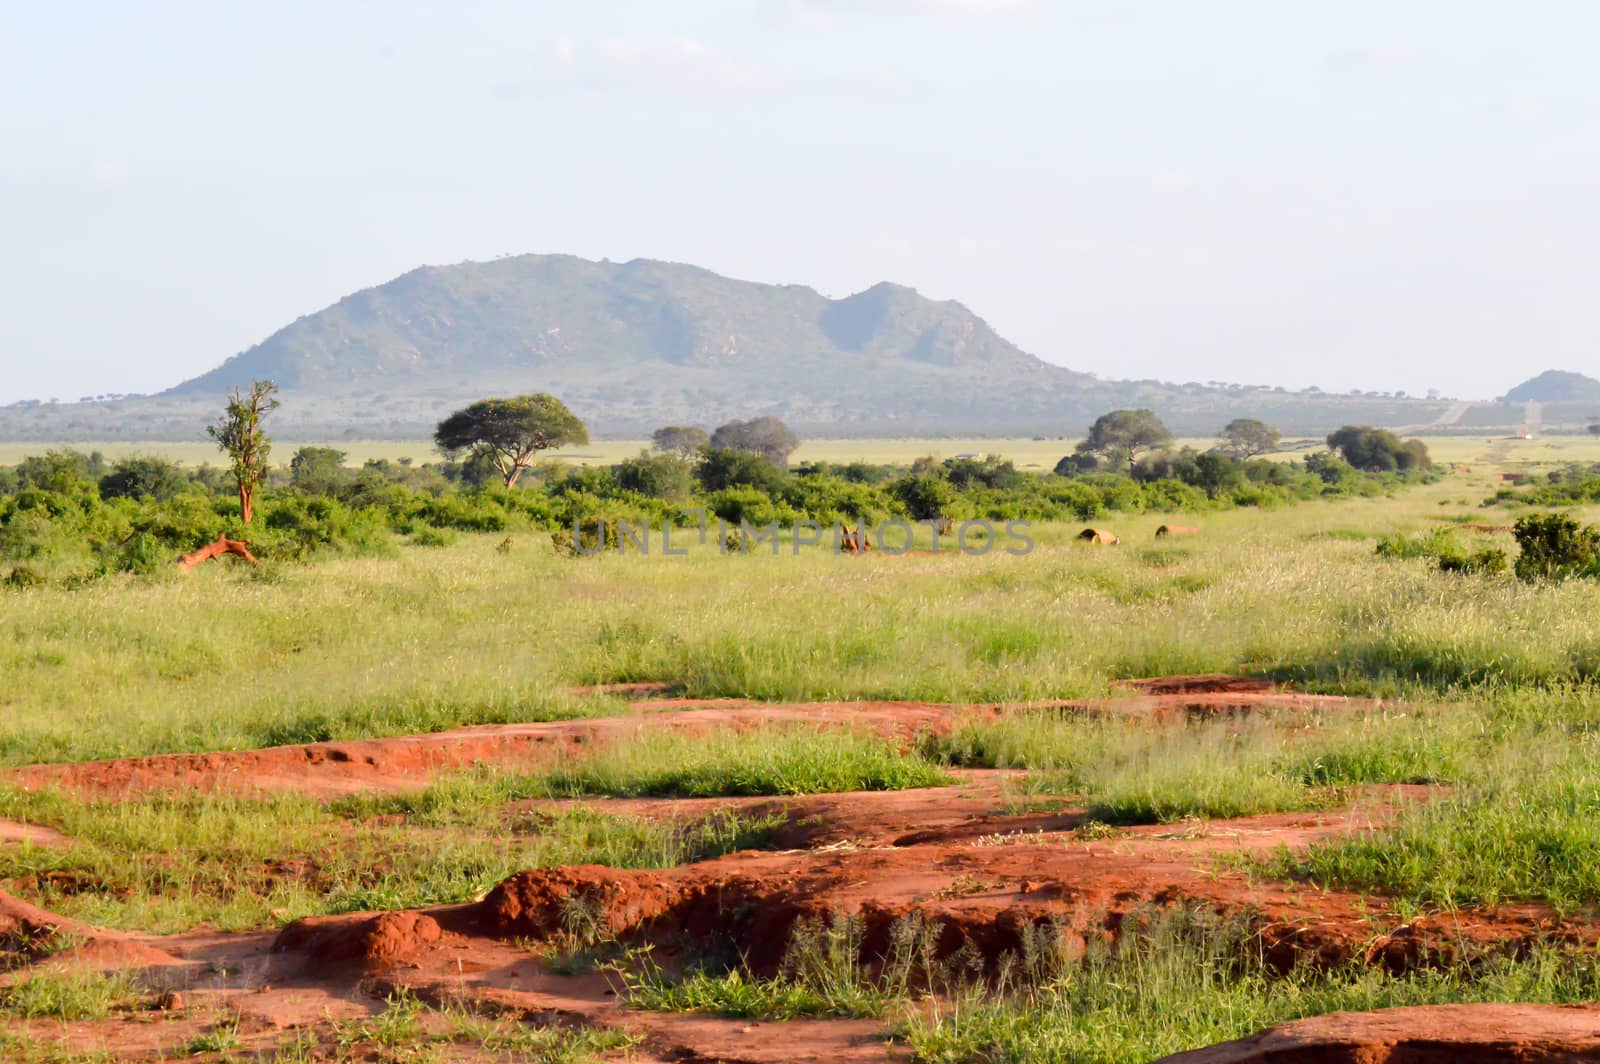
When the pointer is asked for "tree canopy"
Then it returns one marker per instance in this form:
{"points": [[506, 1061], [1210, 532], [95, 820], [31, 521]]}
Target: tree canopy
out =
{"points": [[766, 436], [1247, 437], [143, 477], [684, 441], [239, 435], [1126, 434], [1374, 450], [318, 470], [508, 433]]}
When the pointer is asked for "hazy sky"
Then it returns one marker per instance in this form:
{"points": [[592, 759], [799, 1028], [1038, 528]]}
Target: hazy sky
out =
{"points": [[1350, 193]]}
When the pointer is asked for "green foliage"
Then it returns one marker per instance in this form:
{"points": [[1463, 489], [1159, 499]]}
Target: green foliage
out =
{"points": [[1246, 437], [721, 468], [143, 477], [1375, 450], [1556, 547], [924, 497], [318, 470], [510, 432], [682, 441], [66, 994], [1435, 543], [239, 435], [1125, 434], [765, 436], [662, 476]]}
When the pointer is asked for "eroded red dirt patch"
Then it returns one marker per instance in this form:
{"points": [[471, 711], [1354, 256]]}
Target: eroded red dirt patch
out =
{"points": [[1440, 1034], [410, 762]]}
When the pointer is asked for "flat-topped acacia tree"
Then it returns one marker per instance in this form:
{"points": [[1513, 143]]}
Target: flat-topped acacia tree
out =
{"points": [[510, 432], [238, 434]]}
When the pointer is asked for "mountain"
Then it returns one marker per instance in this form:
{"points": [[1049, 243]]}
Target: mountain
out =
{"points": [[515, 319], [635, 345], [1555, 386]]}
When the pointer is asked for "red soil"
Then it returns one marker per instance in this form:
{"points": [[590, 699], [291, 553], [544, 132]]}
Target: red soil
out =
{"points": [[958, 857], [1441, 1034], [950, 855], [408, 762]]}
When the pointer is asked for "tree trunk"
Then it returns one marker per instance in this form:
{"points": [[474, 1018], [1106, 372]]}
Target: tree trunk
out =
{"points": [[246, 503], [222, 545]]}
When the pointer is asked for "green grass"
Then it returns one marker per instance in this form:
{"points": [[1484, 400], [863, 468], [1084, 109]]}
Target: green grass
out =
{"points": [[1488, 686], [775, 761], [431, 639], [1175, 979], [161, 863], [66, 994], [1531, 832], [1184, 981]]}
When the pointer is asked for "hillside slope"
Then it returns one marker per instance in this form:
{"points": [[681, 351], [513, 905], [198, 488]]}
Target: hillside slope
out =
{"points": [[632, 346]]}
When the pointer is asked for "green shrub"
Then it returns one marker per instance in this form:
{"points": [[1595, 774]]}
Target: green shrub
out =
{"points": [[1434, 543], [1556, 547], [1490, 561]]}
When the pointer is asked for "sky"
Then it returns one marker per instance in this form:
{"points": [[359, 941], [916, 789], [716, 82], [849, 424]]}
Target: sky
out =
{"points": [[1374, 194]]}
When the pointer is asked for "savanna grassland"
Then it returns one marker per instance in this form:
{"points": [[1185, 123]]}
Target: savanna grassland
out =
{"points": [[1378, 788]]}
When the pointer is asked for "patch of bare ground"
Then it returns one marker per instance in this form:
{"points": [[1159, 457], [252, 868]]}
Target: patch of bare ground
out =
{"points": [[410, 762], [951, 856], [1438, 1034], [19, 833]]}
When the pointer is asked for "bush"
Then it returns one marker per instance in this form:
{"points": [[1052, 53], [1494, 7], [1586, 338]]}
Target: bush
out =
{"points": [[140, 478], [428, 536], [1490, 561], [1434, 543], [661, 476], [24, 577], [1556, 547]]}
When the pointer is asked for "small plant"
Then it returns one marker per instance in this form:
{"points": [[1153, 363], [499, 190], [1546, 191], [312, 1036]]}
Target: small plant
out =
{"points": [[222, 1038], [1434, 543], [1490, 561], [66, 995]]}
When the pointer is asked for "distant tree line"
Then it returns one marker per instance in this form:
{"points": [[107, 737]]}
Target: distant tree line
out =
{"points": [[70, 517]]}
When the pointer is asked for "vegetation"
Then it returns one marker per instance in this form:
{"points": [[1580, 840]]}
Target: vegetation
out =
{"points": [[240, 436], [1123, 435], [1379, 450], [682, 441], [1488, 685], [69, 519], [508, 433], [765, 436], [1246, 437]]}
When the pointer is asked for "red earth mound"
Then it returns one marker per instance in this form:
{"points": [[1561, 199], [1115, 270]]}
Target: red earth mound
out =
{"points": [[1441, 1034], [986, 882], [409, 762]]}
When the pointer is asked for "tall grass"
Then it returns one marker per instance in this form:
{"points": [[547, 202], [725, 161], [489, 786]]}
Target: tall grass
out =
{"points": [[463, 634], [162, 863]]}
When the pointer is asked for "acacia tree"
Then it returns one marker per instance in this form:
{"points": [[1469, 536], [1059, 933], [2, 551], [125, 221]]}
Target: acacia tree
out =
{"points": [[1247, 437], [508, 433], [766, 436], [239, 435], [1375, 450], [682, 440], [1126, 432]]}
